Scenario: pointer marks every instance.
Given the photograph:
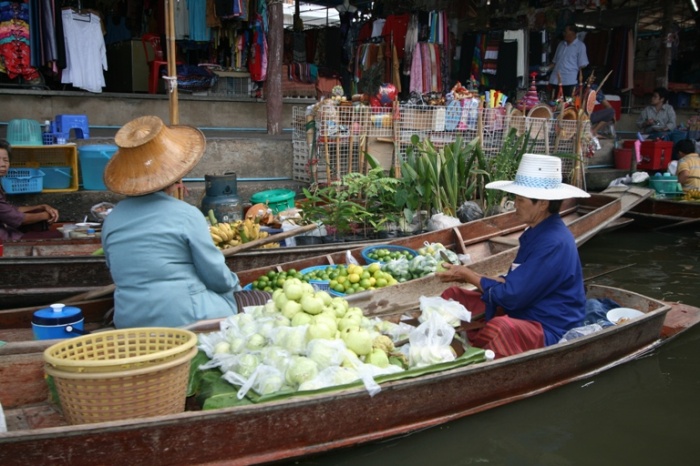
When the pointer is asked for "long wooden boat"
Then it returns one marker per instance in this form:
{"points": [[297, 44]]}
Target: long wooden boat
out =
{"points": [[47, 270], [42, 278], [312, 423], [491, 243], [661, 213]]}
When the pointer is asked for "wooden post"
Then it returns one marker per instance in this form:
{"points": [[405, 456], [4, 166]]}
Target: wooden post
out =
{"points": [[172, 61], [273, 85]]}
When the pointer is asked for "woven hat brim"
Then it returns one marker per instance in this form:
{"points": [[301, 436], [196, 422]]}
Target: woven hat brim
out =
{"points": [[563, 191], [157, 164]]}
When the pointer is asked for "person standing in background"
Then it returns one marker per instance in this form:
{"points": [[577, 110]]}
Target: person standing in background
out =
{"points": [[569, 58]]}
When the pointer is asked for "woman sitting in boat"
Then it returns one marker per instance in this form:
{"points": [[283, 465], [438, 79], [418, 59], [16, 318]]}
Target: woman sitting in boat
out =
{"points": [[158, 249], [14, 221], [543, 294]]}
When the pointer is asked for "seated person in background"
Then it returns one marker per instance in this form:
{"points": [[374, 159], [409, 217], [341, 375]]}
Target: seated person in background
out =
{"points": [[543, 296], [659, 118], [12, 218], [688, 168], [605, 117], [166, 269]]}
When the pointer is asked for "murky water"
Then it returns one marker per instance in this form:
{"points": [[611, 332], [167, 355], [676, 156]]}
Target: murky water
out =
{"points": [[645, 412]]}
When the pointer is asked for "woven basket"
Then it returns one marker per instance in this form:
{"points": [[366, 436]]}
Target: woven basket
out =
{"points": [[122, 374], [120, 350]]}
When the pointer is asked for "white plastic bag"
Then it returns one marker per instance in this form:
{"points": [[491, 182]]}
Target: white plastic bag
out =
{"points": [[441, 221], [430, 342], [452, 311]]}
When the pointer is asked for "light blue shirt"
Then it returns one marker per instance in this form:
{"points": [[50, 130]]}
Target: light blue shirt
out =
{"points": [[166, 269], [568, 59]]}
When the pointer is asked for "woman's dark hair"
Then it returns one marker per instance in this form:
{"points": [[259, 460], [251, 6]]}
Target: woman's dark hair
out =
{"points": [[663, 93], [554, 205], [686, 146], [6, 145]]}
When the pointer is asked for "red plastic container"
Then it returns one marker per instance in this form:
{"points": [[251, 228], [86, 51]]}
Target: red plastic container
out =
{"points": [[623, 159], [656, 155]]}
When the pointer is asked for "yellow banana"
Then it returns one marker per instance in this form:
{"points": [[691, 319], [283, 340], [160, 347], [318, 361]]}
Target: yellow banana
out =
{"points": [[217, 239]]}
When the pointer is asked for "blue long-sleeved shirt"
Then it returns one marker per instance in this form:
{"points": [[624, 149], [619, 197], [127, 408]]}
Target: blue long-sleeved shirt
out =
{"points": [[545, 283], [166, 269]]}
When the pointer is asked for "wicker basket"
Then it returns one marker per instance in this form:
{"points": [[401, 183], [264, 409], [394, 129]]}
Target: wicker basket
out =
{"points": [[122, 374]]}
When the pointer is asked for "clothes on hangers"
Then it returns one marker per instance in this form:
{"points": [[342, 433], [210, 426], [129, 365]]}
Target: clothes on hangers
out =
{"points": [[86, 54], [15, 51]]}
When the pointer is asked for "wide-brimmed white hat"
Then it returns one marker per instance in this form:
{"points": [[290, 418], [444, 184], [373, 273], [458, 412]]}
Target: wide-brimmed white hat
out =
{"points": [[539, 177]]}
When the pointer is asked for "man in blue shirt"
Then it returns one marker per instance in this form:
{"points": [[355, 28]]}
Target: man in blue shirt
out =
{"points": [[542, 296], [569, 58]]}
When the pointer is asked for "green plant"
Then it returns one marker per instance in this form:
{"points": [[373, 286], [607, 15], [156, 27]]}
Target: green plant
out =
{"points": [[501, 167], [331, 206], [437, 180]]}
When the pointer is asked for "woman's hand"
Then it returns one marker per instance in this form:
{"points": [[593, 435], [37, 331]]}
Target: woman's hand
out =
{"points": [[452, 273], [53, 213]]}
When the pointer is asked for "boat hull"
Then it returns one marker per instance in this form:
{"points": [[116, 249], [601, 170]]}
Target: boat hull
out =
{"points": [[300, 426]]}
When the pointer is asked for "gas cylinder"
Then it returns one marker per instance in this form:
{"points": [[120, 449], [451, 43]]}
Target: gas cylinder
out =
{"points": [[221, 197]]}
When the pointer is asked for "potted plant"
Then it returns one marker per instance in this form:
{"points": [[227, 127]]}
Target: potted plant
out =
{"points": [[330, 206]]}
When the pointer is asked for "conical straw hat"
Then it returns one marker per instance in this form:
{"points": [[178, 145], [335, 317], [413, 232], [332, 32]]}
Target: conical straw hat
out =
{"points": [[152, 156]]}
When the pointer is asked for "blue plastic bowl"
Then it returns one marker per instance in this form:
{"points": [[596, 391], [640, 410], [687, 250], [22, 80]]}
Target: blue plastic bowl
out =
{"points": [[366, 251]]}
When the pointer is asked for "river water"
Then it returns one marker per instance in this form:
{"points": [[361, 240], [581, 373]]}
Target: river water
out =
{"points": [[645, 412]]}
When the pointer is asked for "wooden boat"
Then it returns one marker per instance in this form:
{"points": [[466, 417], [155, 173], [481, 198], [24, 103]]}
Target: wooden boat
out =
{"points": [[491, 244], [36, 273], [660, 213], [312, 423], [40, 271]]}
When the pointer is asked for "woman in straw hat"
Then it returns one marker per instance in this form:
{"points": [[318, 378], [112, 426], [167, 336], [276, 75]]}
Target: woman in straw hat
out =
{"points": [[165, 267], [543, 295]]}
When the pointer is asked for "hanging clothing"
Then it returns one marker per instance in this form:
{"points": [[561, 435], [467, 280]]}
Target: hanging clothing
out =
{"points": [[518, 37], [15, 51], [86, 54], [257, 62]]}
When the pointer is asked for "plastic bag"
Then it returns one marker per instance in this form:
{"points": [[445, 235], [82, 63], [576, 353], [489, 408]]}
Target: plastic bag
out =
{"points": [[326, 353], [349, 259], [292, 339], [100, 211], [579, 332], [452, 311], [330, 377], [429, 343], [441, 221]]}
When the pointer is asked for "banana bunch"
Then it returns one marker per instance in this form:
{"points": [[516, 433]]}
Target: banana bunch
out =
{"points": [[250, 230], [224, 235], [227, 235], [691, 195]]}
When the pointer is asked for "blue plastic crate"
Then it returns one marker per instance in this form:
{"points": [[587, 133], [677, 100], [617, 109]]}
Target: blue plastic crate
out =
{"points": [[390, 247], [23, 180], [57, 177]]}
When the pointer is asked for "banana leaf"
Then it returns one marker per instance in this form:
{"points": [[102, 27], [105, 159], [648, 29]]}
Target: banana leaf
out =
{"points": [[213, 392]]}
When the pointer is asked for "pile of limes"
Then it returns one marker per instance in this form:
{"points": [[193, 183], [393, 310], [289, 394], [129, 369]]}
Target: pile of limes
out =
{"points": [[346, 279], [386, 254], [351, 278], [273, 280]]}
